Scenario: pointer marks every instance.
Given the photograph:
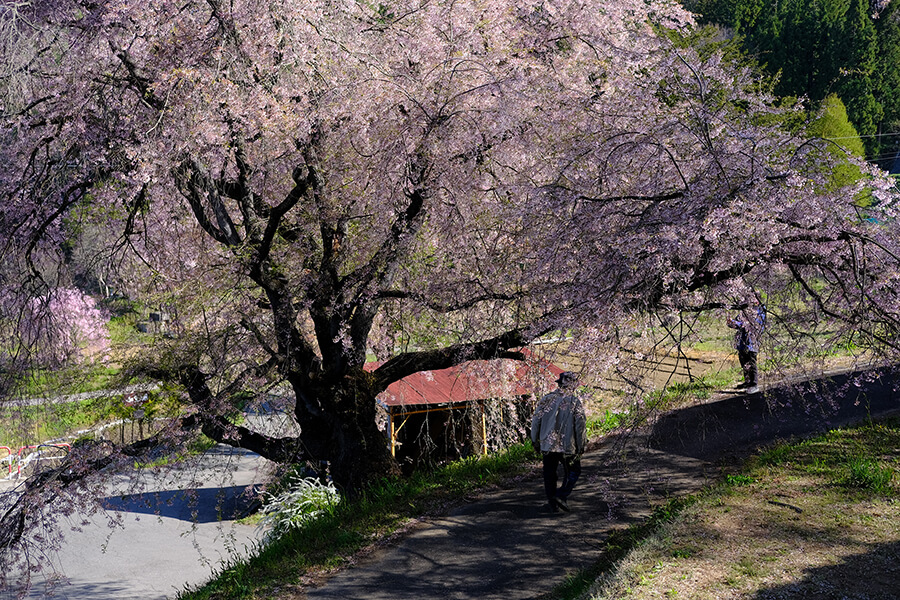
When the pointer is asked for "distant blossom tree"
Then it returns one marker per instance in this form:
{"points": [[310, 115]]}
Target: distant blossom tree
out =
{"points": [[428, 183], [63, 325]]}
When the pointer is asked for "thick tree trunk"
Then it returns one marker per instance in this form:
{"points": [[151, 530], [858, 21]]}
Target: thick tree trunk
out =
{"points": [[361, 453], [346, 434]]}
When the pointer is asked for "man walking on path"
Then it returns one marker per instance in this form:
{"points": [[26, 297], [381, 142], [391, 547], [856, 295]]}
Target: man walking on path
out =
{"points": [[559, 432]]}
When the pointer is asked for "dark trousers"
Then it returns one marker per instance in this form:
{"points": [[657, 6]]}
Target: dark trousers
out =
{"points": [[748, 364], [571, 464]]}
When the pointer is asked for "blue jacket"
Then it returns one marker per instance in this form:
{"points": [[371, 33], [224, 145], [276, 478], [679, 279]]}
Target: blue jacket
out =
{"points": [[746, 338]]}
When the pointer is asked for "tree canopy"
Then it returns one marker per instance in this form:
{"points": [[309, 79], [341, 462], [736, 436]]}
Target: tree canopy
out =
{"points": [[307, 186], [843, 47]]}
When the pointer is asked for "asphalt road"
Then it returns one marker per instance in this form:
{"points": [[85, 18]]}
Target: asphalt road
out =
{"points": [[175, 533], [499, 545]]}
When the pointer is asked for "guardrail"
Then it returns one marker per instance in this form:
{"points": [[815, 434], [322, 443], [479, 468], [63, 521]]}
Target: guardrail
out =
{"points": [[26, 456]]}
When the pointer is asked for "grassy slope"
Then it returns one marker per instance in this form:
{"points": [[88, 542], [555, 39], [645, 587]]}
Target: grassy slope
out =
{"points": [[820, 518]]}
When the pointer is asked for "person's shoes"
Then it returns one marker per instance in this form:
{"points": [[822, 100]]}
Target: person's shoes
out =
{"points": [[752, 389], [561, 502]]}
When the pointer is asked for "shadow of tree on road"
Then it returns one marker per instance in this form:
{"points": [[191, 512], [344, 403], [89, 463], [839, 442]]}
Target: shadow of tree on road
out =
{"points": [[96, 591], [746, 421], [197, 505]]}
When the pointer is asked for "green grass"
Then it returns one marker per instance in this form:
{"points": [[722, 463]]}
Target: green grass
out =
{"points": [[68, 381], [868, 474], [26, 425], [330, 540], [123, 331], [673, 395], [699, 389], [844, 480], [848, 457]]}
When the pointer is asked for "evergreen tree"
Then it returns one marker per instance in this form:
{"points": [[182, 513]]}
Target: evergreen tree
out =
{"points": [[887, 82], [819, 47], [856, 59]]}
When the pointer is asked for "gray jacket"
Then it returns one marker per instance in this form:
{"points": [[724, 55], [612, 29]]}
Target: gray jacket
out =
{"points": [[559, 423]]}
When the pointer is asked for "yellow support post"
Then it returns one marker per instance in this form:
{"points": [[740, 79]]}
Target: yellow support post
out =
{"points": [[393, 435], [484, 444]]}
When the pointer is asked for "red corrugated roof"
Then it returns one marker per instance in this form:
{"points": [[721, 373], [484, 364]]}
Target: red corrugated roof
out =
{"points": [[473, 380]]}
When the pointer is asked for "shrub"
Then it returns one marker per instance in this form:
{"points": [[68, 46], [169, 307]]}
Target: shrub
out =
{"points": [[303, 501]]}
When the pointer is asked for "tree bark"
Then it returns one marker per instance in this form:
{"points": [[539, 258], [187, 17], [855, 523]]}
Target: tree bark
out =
{"points": [[346, 433]]}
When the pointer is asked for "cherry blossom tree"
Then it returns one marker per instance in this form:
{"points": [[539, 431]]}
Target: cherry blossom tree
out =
{"points": [[312, 185], [63, 325]]}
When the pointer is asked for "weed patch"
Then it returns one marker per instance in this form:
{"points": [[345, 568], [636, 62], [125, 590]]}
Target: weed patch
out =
{"points": [[867, 474]]}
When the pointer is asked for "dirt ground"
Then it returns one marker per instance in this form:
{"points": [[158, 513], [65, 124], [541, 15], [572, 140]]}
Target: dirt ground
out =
{"points": [[500, 545]]}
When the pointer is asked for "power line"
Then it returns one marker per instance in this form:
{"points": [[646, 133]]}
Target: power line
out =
{"points": [[873, 135]]}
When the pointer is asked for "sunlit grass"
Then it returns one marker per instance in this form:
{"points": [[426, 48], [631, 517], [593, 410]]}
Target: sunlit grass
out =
{"points": [[793, 506], [36, 424], [672, 396]]}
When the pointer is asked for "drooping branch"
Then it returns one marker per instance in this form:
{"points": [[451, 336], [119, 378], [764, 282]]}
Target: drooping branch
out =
{"points": [[260, 338], [77, 467], [217, 427], [277, 449], [73, 195], [210, 409]]}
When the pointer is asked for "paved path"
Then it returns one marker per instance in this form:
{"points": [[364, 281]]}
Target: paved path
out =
{"points": [[138, 391], [502, 546]]}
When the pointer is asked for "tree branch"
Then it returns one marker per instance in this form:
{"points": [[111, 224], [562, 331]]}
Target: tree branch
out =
{"points": [[138, 82], [653, 198], [198, 189], [447, 307], [429, 360]]}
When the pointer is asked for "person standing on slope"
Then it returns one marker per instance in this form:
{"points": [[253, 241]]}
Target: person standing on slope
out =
{"points": [[559, 433], [746, 342]]}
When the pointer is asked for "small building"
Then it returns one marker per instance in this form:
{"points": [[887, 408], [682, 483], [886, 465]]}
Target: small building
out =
{"points": [[473, 408]]}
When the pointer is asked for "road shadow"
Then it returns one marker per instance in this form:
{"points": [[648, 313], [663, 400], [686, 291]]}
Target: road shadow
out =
{"points": [[741, 423], [518, 509], [197, 505], [74, 590], [69, 590]]}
